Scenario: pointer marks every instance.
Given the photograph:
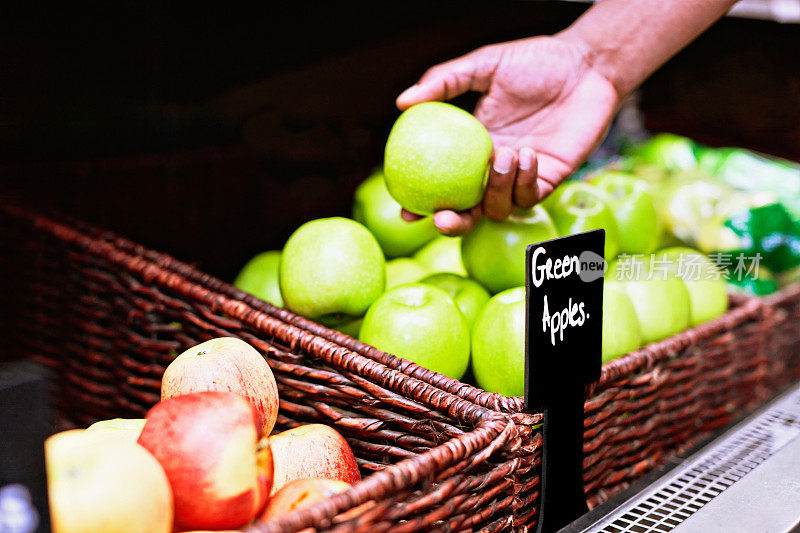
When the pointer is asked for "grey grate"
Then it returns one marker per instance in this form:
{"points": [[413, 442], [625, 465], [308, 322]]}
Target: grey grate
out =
{"points": [[685, 490]]}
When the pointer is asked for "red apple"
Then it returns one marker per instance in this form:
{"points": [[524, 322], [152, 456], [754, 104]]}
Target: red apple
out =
{"points": [[225, 364], [312, 451], [99, 483], [305, 492], [207, 443], [301, 493]]}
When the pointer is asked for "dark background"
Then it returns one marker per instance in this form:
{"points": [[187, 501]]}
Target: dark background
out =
{"points": [[212, 133]]}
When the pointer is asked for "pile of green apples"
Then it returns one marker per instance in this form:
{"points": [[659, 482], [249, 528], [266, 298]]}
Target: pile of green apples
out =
{"points": [[457, 303], [724, 201]]}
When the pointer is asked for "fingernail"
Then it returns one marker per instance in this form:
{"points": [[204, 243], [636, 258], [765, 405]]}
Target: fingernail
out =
{"points": [[445, 221], [502, 161], [408, 92], [525, 159]]}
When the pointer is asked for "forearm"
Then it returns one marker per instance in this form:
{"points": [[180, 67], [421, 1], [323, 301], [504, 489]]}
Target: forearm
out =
{"points": [[627, 40]]}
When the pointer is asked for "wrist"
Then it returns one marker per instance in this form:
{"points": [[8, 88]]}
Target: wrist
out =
{"points": [[601, 57]]}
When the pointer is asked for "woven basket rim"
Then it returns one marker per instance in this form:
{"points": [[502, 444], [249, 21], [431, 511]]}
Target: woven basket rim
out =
{"points": [[787, 295], [333, 353]]}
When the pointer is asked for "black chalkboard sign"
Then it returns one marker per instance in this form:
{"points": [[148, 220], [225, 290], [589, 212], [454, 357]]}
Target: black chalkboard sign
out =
{"points": [[563, 354]]}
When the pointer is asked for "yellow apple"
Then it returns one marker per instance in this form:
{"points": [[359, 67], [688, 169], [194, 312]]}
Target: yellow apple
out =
{"points": [[99, 483], [127, 429]]}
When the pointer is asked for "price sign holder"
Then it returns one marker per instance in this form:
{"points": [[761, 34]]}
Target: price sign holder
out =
{"points": [[563, 354]]}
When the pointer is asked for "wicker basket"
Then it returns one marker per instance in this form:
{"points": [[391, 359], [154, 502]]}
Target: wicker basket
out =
{"points": [[647, 406], [108, 321], [785, 339]]}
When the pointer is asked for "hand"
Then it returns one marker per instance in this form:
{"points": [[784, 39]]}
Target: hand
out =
{"points": [[546, 109]]}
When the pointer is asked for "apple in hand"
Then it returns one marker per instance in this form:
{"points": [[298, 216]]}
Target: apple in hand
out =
{"points": [[127, 429], [469, 295], [259, 277], [421, 323], [437, 157], [225, 364], [380, 213], [442, 254], [577, 207], [498, 344], [311, 451], [332, 268], [634, 211], [207, 444], [404, 270], [707, 288], [98, 483], [621, 331], [494, 252]]}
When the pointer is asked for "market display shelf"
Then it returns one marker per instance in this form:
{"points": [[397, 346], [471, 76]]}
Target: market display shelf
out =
{"points": [[722, 486], [647, 406]]}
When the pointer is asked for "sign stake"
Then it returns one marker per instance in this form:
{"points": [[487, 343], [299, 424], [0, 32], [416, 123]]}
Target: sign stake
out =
{"points": [[563, 354]]}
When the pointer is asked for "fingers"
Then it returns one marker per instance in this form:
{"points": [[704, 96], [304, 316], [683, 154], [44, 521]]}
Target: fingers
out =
{"points": [[526, 187], [498, 199], [513, 182], [408, 216], [471, 72], [449, 222], [453, 224], [551, 173]]}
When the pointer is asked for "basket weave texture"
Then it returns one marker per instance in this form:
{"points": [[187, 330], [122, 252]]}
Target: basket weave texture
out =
{"points": [[785, 337], [647, 406], [107, 322]]}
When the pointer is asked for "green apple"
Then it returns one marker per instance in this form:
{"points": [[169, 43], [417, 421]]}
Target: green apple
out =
{"points": [[634, 212], [661, 302], [669, 151], [628, 268], [350, 327], [421, 323], [494, 252], [714, 234], [469, 295], [498, 344], [331, 268], [377, 210], [621, 331], [652, 174], [708, 294], [442, 254], [437, 157], [404, 270], [259, 277], [687, 202], [577, 207]]}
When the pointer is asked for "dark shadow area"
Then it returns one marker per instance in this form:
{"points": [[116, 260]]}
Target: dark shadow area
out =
{"points": [[211, 134]]}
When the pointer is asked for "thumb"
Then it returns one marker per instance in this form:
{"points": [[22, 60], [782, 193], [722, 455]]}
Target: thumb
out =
{"points": [[471, 72]]}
